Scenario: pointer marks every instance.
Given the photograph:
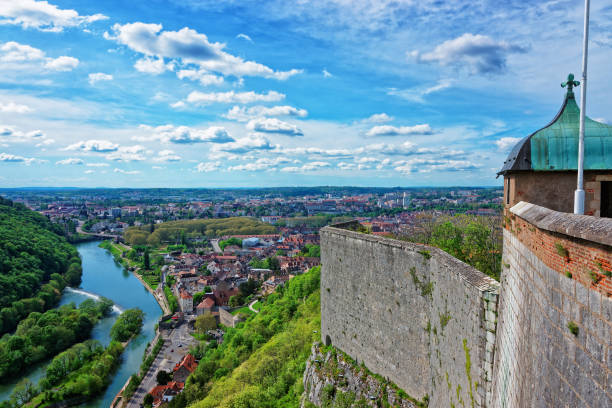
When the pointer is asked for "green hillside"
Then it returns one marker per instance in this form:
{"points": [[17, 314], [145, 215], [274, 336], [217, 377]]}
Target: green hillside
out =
{"points": [[36, 262], [261, 363]]}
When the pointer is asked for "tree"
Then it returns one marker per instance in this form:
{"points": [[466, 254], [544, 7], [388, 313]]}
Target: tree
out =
{"points": [[148, 400], [235, 300], [163, 377], [128, 324], [146, 259], [205, 323], [23, 392]]}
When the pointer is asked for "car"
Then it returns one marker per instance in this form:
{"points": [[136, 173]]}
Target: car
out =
{"points": [[172, 350], [180, 345]]}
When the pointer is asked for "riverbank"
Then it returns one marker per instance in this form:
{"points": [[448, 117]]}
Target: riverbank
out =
{"points": [[117, 251]]}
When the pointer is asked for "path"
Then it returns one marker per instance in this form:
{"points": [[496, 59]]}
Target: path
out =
{"points": [[251, 306], [176, 345], [215, 245]]}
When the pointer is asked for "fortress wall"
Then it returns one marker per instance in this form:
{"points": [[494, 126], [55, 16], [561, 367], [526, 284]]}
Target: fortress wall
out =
{"points": [[411, 313], [538, 361]]}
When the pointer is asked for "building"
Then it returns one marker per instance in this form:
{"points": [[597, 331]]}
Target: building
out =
{"points": [[185, 301], [165, 393], [541, 168], [184, 368], [206, 306]]}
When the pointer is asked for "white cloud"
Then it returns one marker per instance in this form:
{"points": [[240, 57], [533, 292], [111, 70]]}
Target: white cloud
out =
{"points": [[244, 37], [184, 134], [243, 114], [18, 56], [70, 160], [244, 145], [12, 107], [261, 164], [202, 98], [208, 167], [386, 130], [42, 15], [99, 76], [97, 165], [506, 143], [62, 63], [419, 165], [273, 125], [10, 135], [166, 156], [7, 157], [378, 118], [326, 74], [153, 66], [116, 170], [418, 94], [192, 48], [98, 146], [89, 171], [480, 53], [128, 154], [312, 166], [601, 120], [204, 77], [15, 52]]}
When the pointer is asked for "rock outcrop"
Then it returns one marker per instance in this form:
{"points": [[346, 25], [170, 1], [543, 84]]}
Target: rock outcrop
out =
{"points": [[332, 379]]}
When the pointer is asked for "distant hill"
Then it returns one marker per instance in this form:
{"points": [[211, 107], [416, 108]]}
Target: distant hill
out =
{"points": [[173, 231]]}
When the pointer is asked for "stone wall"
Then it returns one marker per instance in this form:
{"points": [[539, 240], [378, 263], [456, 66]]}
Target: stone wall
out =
{"points": [[410, 313], [552, 189], [226, 318], [555, 313]]}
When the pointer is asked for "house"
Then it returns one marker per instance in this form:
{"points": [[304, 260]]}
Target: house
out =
{"points": [[165, 393], [185, 301], [183, 369], [205, 306]]}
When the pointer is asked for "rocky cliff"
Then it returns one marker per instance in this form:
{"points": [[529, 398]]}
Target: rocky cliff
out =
{"points": [[334, 380]]}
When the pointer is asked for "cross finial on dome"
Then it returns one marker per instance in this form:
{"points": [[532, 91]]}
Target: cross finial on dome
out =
{"points": [[570, 83]]}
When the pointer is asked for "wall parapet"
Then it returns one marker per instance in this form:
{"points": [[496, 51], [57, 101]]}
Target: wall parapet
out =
{"points": [[577, 246], [595, 229]]}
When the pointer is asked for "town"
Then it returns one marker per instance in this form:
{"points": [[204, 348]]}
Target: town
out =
{"points": [[211, 263]]}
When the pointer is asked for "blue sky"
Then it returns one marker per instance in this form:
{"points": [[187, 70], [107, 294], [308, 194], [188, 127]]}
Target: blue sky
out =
{"points": [[199, 93]]}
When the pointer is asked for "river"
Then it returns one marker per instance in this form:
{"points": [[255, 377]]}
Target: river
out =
{"points": [[102, 276]]}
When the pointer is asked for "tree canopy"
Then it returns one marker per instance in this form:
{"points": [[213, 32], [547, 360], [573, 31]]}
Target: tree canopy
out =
{"points": [[36, 263]]}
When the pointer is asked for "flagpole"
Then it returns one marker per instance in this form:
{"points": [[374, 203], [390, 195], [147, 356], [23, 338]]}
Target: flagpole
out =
{"points": [[579, 193]]}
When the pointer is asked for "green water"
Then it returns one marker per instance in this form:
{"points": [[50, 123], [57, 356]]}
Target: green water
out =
{"points": [[102, 276]]}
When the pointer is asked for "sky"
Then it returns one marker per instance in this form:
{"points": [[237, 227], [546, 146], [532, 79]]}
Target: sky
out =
{"points": [[245, 93]]}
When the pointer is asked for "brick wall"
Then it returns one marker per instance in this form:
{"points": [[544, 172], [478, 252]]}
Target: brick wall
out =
{"points": [[583, 260], [539, 361]]}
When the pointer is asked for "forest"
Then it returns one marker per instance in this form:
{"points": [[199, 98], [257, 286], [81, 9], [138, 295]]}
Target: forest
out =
{"points": [[180, 231], [36, 263], [42, 335], [261, 362]]}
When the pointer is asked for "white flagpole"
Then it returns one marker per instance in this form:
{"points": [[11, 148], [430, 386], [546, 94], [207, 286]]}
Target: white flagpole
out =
{"points": [[579, 193]]}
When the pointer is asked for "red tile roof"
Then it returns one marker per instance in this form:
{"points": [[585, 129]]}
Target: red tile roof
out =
{"points": [[188, 362]]}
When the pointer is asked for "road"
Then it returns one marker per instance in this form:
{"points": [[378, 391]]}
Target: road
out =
{"points": [[176, 345], [215, 245], [251, 306]]}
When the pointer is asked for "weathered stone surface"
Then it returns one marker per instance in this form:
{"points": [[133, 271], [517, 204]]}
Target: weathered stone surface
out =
{"points": [[327, 369], [538, 361], [411, 313]]}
